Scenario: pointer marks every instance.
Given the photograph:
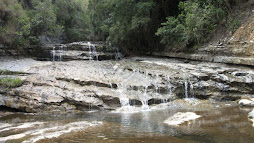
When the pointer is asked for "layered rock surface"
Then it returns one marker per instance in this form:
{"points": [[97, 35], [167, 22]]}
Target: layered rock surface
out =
{"points": [[84, 85], [235, 50], [74, 51]]}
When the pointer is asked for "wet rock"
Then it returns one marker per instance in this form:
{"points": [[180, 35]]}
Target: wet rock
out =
{"points": [[246, 102], [86, 84], [180, 118], [251, 116]]}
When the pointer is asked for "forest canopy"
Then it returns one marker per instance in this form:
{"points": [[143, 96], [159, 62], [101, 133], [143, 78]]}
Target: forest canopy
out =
{"points": [[133, 25]]}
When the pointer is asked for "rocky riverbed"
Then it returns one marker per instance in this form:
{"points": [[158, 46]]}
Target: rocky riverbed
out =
{"points": [[67, 86], [135, 99]]}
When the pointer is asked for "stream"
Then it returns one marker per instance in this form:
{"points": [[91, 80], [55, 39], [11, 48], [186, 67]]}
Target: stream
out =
{"points": [[223, 125]]}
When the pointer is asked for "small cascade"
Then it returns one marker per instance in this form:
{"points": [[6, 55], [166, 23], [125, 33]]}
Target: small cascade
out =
{"points": [[57, 54], [95, 52], [118, 55], [144, 100], [191, 89], [60, 51], [125, 101], [169, 86], [169, 90], [90, 51], [156, 85], [53, 52], [186, 89]]}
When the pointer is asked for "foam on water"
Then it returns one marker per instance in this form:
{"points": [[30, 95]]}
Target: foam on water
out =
{"points": [[130, 109], [48, 133], [21, 126]]}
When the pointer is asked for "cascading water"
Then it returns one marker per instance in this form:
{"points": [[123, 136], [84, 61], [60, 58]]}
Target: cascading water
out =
{"points": [[57, 55], [60, 52], [125, 101], [191, 89], [169, 86], [156, 84], [118, 55], [144, 100], [169, 90], [186, 89], [90, 51], [53, 53], [95, 52]]}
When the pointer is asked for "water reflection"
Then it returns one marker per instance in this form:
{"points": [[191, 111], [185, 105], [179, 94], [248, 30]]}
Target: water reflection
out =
{"points": [[220, 125]]}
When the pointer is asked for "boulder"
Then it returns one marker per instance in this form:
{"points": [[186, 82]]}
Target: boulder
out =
{"points": [[180, 118], [246, 102]]}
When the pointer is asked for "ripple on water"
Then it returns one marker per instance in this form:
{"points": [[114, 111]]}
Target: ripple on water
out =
{"points": [[34, 134]]}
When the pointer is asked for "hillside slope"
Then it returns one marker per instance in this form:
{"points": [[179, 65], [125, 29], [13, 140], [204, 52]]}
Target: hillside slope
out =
{"points": [[224, 46]]}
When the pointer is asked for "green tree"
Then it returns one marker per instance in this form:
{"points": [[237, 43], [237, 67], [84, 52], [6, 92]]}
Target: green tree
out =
{"points": [[197, 20], [43, 19]]}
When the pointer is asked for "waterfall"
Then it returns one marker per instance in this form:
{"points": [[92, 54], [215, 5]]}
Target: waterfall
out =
{"points": [[60, 53], [169, 86], [169, 90], [125, 101], [90, 51], [53, 54], [156, 84], [144, 100], [186, 89], [95, 52], [118, 54], [57, 55], [191, 89]]}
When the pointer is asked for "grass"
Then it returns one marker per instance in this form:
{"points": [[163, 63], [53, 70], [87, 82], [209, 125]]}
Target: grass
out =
{"points": [[10, 82], [7, 72]]}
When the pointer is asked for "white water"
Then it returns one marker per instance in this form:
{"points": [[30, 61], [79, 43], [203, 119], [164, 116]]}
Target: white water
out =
{"points": [[124, 100], [186, 89], [57, 55], [21, 126], [118, 54], [144, 100], [192, 90], [53, 54], [48, 132], [92, 51], [61, 52]]}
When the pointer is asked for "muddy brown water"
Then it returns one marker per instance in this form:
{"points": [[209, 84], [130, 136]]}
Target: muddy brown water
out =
{"points": [[221, 125]]}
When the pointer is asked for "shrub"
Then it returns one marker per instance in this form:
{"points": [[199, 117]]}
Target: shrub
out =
{"points": [[194, 24]]}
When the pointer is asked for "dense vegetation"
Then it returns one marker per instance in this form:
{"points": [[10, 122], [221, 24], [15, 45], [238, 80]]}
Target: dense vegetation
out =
{"points": [[29, 22], [133, 25]]}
